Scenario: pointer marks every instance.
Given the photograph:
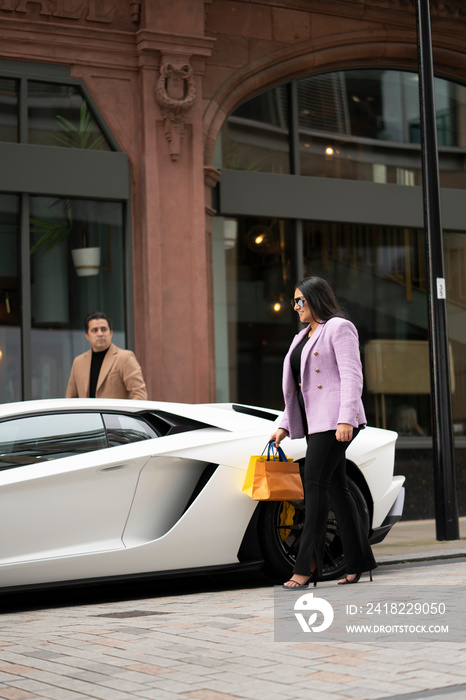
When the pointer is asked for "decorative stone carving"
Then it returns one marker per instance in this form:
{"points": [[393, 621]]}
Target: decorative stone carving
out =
{"points": [[175, 93], [135, 10], [207, 4]]}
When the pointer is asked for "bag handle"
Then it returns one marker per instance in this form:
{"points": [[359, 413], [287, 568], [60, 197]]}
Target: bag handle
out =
{"points": [[271, 457]]}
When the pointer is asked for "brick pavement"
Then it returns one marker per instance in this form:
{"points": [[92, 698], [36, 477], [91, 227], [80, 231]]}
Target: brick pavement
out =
{"points": [[197, 643]]}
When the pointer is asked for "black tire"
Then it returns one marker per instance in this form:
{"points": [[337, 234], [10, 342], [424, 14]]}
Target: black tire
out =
{"points": [[279, 528]]}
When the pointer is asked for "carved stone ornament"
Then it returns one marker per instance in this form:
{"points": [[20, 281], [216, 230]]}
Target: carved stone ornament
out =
{"points": [[175, 93], [135, 10]]}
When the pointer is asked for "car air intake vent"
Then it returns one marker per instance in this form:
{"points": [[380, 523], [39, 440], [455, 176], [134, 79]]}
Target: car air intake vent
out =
{"points": [[202, 481], [254, 412], [168, 423]]}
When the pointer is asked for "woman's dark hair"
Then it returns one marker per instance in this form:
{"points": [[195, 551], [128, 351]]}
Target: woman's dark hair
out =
{"points": [[321, 299]]}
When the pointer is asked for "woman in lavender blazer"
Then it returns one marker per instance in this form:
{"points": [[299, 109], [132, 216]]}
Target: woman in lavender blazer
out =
{"points": [[322, 387]]}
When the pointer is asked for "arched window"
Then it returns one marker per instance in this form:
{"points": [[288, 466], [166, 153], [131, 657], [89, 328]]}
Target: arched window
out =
{"points": [[354, 125], [322, 176]]}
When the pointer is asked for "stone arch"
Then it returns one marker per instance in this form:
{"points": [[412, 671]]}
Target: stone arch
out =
{"points": [[355, 50]]}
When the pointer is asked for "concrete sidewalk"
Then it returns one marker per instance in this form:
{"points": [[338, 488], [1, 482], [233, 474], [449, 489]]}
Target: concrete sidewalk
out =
{"points": [[415, 540], [213, 638]]}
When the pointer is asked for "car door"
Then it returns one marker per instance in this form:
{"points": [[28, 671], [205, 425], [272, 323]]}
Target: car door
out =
{"points": [[62, 490]]}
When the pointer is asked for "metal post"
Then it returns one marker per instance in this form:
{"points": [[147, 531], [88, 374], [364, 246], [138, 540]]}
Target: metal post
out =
{"points": [[446, 509]]}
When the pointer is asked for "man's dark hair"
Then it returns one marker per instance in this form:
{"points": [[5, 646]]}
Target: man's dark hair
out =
{"points": [[94, 316]]}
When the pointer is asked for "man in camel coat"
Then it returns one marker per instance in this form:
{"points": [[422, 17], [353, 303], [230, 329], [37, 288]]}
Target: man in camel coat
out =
{"points": [[105, 371]]}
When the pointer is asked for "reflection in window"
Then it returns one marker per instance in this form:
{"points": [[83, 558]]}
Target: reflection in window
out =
{"points": [[455, 266], [322, 104], [10, 301], [348, 119], [378, 272], [377, 104], [255, 137], [356, 125], [122, 429], [8, 110], [59, 116], [36, 439], [258, 288]]}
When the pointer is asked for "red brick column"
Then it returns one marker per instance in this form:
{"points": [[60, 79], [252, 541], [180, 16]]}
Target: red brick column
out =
{"points": [[174, 288]]}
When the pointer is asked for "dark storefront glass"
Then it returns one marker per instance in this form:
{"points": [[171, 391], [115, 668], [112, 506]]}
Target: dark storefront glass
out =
{"points": [[8, 110], [65, 287], [260, 321], [455, 267], [378, 274], [59, 116], [10, 300]]}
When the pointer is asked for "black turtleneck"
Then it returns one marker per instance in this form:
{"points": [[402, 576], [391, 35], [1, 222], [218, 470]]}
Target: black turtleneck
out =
{"points": [[96, 364]]}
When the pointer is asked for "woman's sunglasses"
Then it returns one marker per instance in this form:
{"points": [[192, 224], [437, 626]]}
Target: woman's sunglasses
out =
{"points": [[298, 301]]}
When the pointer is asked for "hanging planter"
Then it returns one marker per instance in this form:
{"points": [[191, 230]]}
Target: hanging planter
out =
{"points": [[86, 261], [51, 232]]}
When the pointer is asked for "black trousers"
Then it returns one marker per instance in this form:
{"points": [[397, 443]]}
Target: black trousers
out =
{"points": [[324, 480]]}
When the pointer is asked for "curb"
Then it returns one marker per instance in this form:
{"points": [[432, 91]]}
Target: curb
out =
{"points": [[420, 556]]}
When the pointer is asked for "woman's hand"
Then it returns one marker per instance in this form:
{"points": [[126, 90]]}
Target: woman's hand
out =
{"points": [[278, 436], [344, 432]]}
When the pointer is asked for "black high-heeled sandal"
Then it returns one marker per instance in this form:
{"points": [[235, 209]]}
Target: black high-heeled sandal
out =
{"points": [[312, 579], [354, 580]]}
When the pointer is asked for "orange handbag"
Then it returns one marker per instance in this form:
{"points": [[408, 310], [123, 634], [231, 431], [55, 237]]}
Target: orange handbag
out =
{"points": [[273, 477]]}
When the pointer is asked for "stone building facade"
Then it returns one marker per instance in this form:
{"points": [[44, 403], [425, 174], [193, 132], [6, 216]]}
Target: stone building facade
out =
{"points": [[167, 89]]}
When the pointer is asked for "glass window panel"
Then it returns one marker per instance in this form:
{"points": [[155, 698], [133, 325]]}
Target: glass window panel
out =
{"points": [[64, 289], [455, 266], [255, 136], [366, 102], [260, 320], [351, 127], [8, 110], [378, 274], [59, 116], [356, 125], [322, 104], [10, 300], [122, 429], [36, 439], [364, 125]]}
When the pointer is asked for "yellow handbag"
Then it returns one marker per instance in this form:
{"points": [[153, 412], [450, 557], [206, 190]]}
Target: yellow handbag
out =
{"points": [[273, 477]]}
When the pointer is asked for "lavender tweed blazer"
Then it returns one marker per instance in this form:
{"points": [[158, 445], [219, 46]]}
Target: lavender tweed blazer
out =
{"points": [[331, 376]]}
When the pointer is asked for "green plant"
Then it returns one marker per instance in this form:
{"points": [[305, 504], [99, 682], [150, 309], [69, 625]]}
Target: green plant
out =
{"points": [[51, 231], [80, 136]]}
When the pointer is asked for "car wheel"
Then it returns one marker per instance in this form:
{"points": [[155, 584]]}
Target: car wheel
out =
{"points": [[280, 526]]}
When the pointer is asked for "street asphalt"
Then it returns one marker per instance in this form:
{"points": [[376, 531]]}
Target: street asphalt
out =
{"points": [[212, 638]]}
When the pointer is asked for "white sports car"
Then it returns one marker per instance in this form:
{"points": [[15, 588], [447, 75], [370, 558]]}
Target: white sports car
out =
{"points": [[104, 489]]}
